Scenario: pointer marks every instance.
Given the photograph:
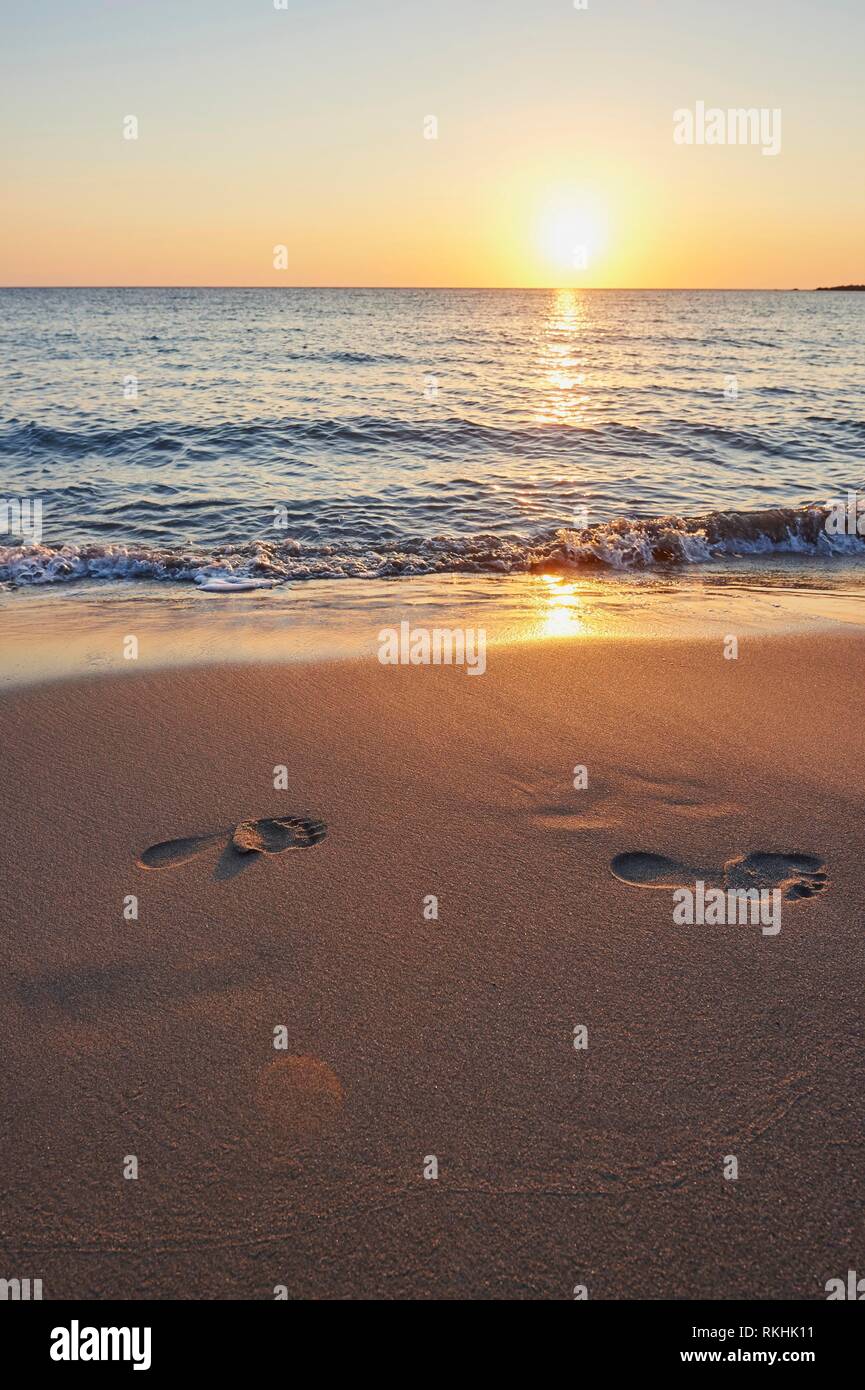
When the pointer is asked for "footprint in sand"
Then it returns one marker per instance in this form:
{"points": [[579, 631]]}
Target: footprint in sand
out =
{"points": [[270, 835], [609, 805], [278, 834], [654, 870], [797, 875]]}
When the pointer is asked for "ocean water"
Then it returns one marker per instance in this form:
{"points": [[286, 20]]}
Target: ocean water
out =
{"points": [[184, 435]]}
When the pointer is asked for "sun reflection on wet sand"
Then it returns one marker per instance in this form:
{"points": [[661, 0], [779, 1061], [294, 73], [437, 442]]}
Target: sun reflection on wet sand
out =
{"points": [[559, 609], [321, 620]]}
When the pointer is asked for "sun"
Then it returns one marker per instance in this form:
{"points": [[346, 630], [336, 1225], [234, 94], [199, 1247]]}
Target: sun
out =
{"points": [[572, 234]]}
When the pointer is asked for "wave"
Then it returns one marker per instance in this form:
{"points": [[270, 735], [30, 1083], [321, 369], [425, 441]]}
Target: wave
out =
{"points": [[625, 544], [252, 436], [149, 442]]}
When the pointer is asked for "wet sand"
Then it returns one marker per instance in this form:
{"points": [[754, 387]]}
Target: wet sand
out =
{"points": [[404, 1038]]}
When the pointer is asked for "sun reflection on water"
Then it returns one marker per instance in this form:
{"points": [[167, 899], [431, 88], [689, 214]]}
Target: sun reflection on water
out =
{"points": [[560, 363]]}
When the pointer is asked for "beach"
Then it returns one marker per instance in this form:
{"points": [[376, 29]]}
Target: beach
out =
{"points": [[432, 626], [283, 1041]]}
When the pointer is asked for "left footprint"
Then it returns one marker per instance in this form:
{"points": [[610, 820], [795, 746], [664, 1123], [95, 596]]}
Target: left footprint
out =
{"points": [[169, 853], [269, 835], [272, 836]]}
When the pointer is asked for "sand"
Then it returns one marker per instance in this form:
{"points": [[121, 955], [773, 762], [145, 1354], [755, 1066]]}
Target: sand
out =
{"points": [[407, 1044]]}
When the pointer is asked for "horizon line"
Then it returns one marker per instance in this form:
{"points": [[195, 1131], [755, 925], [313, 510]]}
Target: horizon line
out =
{"points": [[521, 289]]}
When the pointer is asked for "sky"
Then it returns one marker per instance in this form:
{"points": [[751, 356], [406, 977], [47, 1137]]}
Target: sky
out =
{"points": [[553, 164]]}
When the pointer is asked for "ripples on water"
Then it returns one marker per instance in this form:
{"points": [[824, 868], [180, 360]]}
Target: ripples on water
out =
{"points": [[416, 431]]}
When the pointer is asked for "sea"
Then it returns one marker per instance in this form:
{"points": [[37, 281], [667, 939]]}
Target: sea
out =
{"points": [[182, 441]]}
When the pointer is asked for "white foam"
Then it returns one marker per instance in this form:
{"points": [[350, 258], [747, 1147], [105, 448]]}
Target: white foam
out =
{"points": [[214, 585]]}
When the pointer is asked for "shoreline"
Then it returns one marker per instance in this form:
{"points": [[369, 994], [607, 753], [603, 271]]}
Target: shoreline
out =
{"points": [[407, 1036], [62, 632]]}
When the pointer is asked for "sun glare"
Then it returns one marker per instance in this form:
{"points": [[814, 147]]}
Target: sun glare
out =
{"points": [[561, 603], [572, 235]]}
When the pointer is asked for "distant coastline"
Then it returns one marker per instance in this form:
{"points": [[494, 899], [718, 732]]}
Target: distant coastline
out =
{"points": [[841, 287]]}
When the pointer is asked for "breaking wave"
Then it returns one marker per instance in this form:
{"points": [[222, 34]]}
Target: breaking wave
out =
{"points": [[624, 544]]}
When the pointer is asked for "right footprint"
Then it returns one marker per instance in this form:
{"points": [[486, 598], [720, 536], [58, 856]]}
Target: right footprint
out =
{"points": [[646, 870], [796, 875]]}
